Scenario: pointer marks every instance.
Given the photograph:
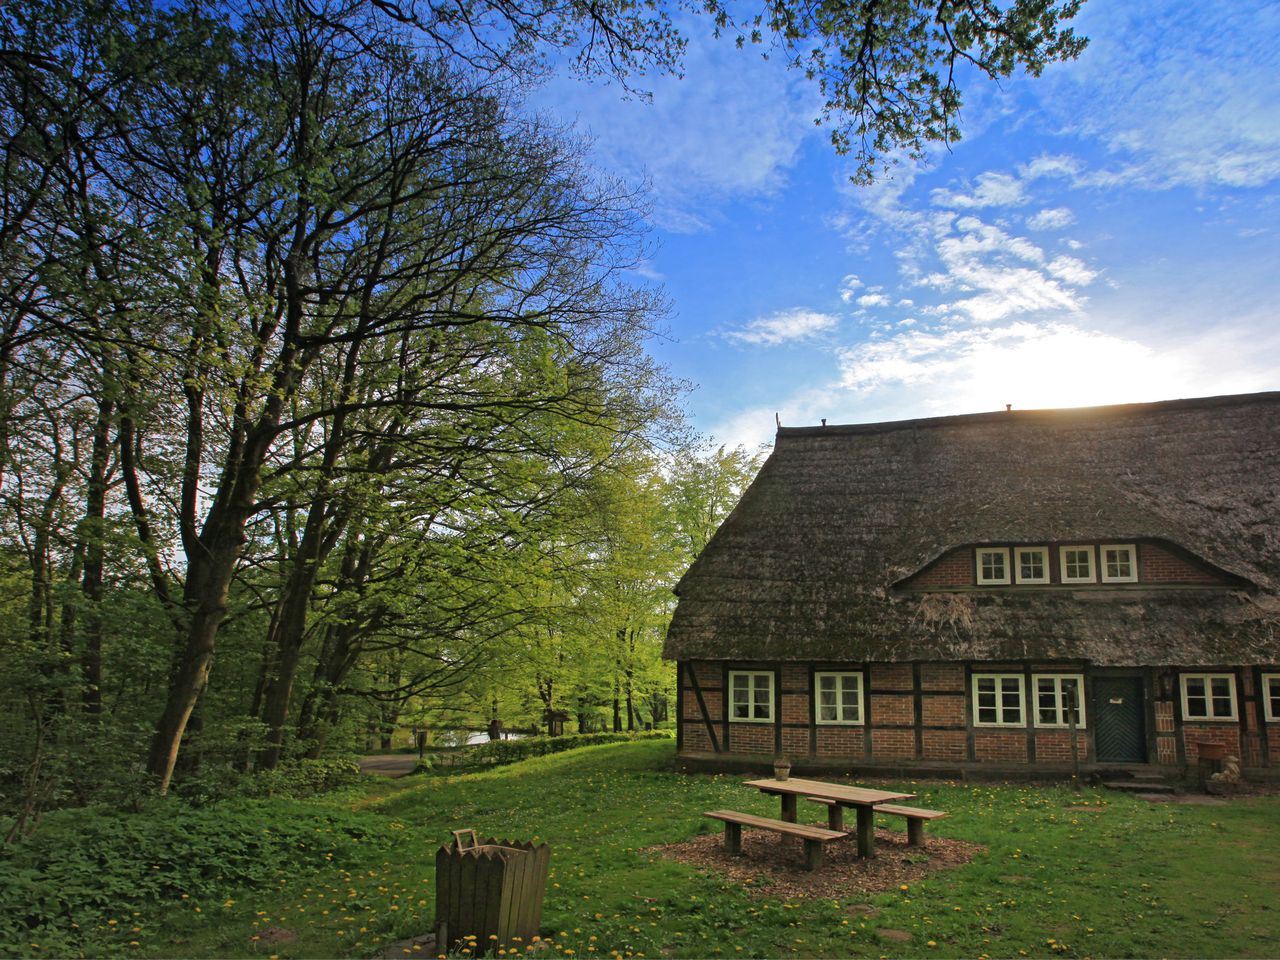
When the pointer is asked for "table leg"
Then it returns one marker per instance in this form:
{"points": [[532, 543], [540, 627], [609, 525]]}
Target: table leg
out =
{"points": [[835, 817], [789, 807], [866, 832]]}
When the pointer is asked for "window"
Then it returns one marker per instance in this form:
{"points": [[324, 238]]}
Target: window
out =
{"points": [[993, 564], [1119, 563], [1208, 696], [1077, 564], [997, 700], [751, 696], [1271, 696], [1031, 564], [1058, 698], [838, 697]]}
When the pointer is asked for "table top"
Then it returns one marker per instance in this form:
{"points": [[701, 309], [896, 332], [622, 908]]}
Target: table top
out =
{"points": [[841, 793]]}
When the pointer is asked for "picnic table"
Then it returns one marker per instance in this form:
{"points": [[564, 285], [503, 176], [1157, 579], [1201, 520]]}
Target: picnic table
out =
{"points": [[839, 795]]}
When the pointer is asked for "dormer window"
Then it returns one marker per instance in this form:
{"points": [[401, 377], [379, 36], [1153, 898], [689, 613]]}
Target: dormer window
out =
{"points": [[993, 565], [1119, 563], [1076, 563], [1031, 564]]}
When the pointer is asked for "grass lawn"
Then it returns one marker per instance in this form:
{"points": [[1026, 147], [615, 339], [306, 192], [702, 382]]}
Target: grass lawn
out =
{"points": [[1090, 874]]}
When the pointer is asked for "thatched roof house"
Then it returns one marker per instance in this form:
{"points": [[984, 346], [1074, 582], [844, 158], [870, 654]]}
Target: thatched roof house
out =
{"points": [[1123, 539]]}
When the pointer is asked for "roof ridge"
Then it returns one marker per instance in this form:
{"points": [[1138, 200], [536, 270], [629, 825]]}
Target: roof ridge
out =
{"points": [[1037, 414]]}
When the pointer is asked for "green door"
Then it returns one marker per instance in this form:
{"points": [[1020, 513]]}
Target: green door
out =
{"points": [[1119, 718]]}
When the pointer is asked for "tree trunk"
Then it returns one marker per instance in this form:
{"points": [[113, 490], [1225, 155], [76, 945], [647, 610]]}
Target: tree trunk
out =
{"points": [[93, 533]]}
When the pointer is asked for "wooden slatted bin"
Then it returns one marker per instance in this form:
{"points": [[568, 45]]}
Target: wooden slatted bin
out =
{"points": [[491, 890]]}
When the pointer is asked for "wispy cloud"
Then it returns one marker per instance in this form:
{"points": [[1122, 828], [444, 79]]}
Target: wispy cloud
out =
{"points": [[730, 128], [992, 189], [1178, 99], [1052, 218], [783, 327]]}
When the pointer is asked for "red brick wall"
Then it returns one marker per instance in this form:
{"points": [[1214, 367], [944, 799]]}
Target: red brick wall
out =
{"points": [[1000, 745], [1166, 742], [795, 708], [696, 738], [939, 710], [892, 676], [893, 709], [1156, 564], [893, 744], [709, 674], [751, 738], [945, 744], [1227, 734], [1054, 746], [954, 569], [840, 742], [942, 676], [795, 742]]}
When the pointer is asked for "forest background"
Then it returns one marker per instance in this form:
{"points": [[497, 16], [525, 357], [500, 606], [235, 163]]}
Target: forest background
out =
{"points": [[325, 405]]}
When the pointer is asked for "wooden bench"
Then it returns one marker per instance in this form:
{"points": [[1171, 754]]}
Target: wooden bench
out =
{"points": [[915, 819], [813, 837]]}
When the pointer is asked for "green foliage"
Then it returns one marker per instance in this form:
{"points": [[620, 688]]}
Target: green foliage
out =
{"points": [[303, 778], [498, 752], [89, 866], [1095, 873]]}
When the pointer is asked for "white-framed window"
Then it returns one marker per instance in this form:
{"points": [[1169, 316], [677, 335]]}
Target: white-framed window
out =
{"points": [[1031, 564], [1058, 696], [751, 696], [997, 700], [837, 697], [1271, 697], [1118, 562], [992, 564], [1208, 696], [1076, 564]]}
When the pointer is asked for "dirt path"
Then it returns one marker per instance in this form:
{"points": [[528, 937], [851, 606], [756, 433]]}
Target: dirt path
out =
{"points": [[389, 764]]}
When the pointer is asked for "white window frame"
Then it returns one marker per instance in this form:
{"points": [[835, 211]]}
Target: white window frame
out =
{"points": [[1093, 563], [1060, 707], [1269, 679], [1133, 562], [1003, 553], [840, 676], [1208, 679], [752, 676], [1017, 564], [1000, 678]]}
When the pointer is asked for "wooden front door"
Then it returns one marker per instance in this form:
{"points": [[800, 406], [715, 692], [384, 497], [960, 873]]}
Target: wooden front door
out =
{"points": [[1119, 717]]}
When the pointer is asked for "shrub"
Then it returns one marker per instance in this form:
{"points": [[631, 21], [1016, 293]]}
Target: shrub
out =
{"points": [[84, 865], [498, 752], [298, 779]]}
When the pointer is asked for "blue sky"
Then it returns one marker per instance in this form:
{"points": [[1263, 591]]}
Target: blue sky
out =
{"points": [[1105, 233]]}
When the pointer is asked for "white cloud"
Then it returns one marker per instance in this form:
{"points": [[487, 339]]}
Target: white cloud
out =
{"points": [[731, 127], [1052, 218], [992, 190], [1072, 271], [873, 300], [1178, 99], [1051, 165], [849, 287], [783, 327], [1025, 364]]}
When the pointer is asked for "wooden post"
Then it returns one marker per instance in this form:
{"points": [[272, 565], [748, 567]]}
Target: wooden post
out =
{"points": [[733, 837], [915, 831], [866, 831], [835, 817], [812, 854], [789, 807]]}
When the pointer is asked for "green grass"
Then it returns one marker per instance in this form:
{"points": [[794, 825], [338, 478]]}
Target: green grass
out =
{"points": [[1090, 874]]}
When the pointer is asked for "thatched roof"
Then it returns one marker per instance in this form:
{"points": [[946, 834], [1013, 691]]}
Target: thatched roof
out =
{"points": [[805, 567]]}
